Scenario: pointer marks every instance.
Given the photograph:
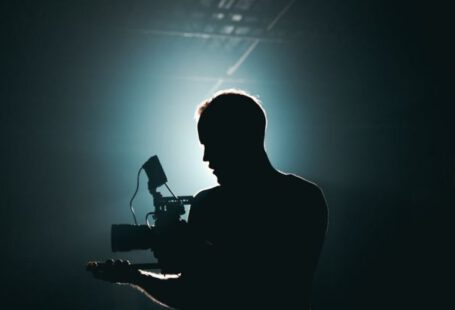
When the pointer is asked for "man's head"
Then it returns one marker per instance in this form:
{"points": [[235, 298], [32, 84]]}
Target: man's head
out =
{"points": [[231, 128]]}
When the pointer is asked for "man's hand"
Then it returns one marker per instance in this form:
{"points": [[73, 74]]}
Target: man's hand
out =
{"points": [[118, 271]]}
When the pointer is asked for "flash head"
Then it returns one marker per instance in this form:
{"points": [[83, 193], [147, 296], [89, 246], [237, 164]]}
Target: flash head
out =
{"points": [[155, 172]]}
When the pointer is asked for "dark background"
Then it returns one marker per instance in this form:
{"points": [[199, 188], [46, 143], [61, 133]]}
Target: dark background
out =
{"points": [[358, 101]]}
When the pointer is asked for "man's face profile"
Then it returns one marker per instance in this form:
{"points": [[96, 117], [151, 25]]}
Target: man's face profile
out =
{"points": [[231, 129], [223, 157]]}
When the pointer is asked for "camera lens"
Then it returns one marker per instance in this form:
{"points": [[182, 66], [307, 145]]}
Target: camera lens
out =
{"points": [[125, 237]]}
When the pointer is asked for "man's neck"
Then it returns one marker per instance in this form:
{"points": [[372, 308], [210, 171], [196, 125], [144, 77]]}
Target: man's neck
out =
{"points": [[261, 165], [257, 169]]}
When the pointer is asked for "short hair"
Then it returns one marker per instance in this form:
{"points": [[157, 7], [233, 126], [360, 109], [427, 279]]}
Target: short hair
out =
{"points": [[232, 114]]}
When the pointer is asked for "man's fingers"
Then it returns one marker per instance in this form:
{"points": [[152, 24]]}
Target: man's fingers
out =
{"points": [[109, 262], [112, 270], [91, 265], [105, 273], [122, 263]]}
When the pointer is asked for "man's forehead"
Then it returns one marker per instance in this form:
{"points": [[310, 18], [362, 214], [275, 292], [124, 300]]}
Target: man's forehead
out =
{"points": [[217, 141], [215, 135]]}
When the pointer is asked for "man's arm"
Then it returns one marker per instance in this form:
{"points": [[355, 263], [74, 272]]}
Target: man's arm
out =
{"points": [[172, 291], [167, 290]]}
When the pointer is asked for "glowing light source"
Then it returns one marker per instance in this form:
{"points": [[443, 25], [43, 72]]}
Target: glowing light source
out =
{"points": [[236, 17]]}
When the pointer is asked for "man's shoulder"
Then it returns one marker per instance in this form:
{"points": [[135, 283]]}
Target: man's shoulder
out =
{"points": [[311, 196], [284, 180], [299, 183], [206, 193], [201, 201]]}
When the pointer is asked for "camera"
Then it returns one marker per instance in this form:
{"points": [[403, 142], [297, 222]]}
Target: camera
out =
{"points": [[166, 237], [126, 237]]}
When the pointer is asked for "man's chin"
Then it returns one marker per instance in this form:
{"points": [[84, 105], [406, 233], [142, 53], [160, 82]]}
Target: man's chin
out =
{"points": [[223, 180]]}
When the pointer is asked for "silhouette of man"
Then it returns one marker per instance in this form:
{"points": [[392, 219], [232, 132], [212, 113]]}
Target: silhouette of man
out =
{"points": [[254, 240]]}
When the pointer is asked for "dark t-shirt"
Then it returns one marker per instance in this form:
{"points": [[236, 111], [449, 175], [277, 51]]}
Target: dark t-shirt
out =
{"points": [[257, 246]]}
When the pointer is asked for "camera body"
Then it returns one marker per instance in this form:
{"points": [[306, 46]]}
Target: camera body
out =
{"points": [[166, 237]]}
